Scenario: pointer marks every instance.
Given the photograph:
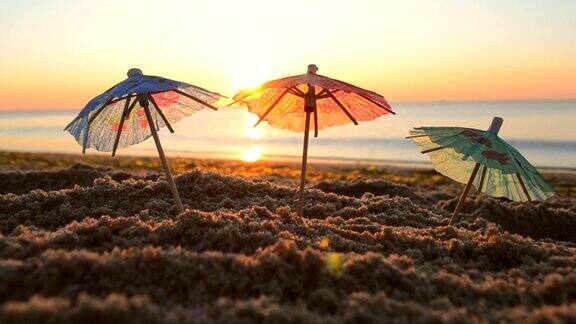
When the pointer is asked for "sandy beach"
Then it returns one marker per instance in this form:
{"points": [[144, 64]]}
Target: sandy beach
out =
{"points": [[87, 237]]}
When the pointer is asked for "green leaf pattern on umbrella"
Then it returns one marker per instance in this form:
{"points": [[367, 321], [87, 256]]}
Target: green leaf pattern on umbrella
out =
{"points": [[454, 151]]}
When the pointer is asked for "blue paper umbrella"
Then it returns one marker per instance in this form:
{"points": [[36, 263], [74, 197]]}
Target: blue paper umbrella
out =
{"points": [[122, 116]]}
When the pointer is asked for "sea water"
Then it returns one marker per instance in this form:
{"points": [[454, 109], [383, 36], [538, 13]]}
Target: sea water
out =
{"points": [[544, 132]]}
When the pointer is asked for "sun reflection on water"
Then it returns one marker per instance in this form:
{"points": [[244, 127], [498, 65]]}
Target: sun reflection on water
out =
{"points": [[252, 154]]}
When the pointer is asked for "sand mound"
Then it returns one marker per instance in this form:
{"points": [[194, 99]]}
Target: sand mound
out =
{"points": [[20, 182], [115, 252], [378, 187], [555, 219]]}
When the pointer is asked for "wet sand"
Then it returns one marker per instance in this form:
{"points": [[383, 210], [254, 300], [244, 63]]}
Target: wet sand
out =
{"points": [[91, 237]]}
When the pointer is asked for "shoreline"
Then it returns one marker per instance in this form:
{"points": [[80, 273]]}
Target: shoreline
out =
{"points": [[228, 157]]}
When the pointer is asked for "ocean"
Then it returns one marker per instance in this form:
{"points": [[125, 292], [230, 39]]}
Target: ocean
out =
{"points": [[544, 132]]}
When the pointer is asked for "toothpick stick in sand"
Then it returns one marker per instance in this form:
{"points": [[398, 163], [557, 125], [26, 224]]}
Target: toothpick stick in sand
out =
{"points": [[494, 128], [309, 107], [145, 104]]}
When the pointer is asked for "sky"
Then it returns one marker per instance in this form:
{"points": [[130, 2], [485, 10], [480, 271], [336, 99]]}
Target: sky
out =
{"points": [[57, 54]]}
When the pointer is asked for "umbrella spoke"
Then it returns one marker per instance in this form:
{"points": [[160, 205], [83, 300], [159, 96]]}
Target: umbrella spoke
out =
{"points": [[293, 92], [85, 142], [160, 113], [97, 112], [127, 110], [331, 95], [297, 91], [209, 93], [195, 99], [433, 149], [245, 96], [523, 186], [271, 107], [415, 136], [325, 94], [121, 98], [377, 103], [321, 94]]}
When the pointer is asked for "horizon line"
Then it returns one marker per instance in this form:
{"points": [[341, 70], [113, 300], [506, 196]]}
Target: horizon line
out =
{"points": [[434, 101]]}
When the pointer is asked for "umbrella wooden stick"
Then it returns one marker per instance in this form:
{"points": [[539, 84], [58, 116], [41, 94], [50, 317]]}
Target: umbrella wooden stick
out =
{"points": [[316, 122], [482, 178], [309, 107], [464, 195], [303, 170], [494, 128], [144, 103]]}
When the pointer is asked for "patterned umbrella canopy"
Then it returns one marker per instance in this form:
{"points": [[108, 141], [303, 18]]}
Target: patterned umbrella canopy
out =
{"points": [[122, 116], [482, 159], [504, 172], [115, 119], [281, 102], [287, 103]]}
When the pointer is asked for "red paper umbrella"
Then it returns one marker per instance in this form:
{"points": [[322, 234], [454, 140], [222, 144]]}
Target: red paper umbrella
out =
{"points": [[287, 103]]}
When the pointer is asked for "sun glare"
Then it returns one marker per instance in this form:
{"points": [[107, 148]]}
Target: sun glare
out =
{"points": [[248, 74], [252, 154], [250, 131]]}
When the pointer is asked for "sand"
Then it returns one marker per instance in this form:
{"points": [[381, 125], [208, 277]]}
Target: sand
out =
{"points": [[99, 241]]}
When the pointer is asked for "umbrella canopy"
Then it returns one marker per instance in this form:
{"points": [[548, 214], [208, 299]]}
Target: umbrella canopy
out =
{"points": [[287, 103], [118, 113], [281, 102], [482, 159], [122, 116]]}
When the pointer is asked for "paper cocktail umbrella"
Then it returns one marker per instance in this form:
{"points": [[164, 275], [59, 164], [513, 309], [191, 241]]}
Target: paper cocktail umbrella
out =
{"points": [[481, 159], [288, 103], [122, 115]]}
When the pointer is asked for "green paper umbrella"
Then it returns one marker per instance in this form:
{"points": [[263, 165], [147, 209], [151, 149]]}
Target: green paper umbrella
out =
{"points": [[483, 160]]}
